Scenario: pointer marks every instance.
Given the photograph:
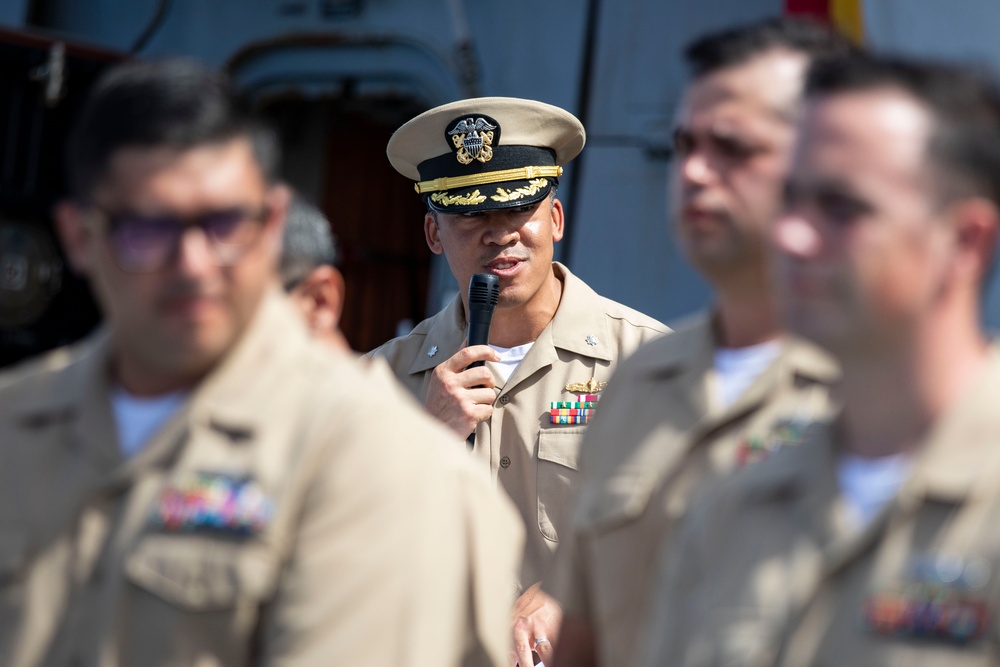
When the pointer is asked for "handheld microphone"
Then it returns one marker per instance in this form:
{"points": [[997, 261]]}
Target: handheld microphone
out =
{"points": [[484, 292]]}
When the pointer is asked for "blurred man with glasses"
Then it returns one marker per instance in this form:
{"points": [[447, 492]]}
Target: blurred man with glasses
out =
{"points": [[200, 482]]}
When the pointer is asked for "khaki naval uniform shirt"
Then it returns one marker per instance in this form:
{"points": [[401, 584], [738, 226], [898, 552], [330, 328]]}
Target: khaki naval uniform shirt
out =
{"points": [[770, 571], [298, 510], [661, 435], [534, 461]]}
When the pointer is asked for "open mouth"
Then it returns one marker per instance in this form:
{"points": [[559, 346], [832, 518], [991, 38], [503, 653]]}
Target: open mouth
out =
{"points": [[505, 266]]}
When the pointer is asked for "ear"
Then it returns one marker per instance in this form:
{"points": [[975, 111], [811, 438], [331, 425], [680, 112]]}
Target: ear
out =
{"points": [[976, 222], [322, 295], [558, 220], [74, 236], [433, 234]]}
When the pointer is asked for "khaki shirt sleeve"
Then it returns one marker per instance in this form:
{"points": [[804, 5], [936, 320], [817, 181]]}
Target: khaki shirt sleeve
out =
{"points": [[403, 556]]}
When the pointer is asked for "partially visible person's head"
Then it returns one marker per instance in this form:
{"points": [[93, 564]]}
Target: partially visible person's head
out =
{"points": [[175, 216], [733, 139], [488, 169], [308, 270], [892, 204]]}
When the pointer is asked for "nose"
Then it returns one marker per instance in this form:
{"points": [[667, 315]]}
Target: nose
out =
{"points": [[194, 254], [501, 230], [695, 168], [795, 235]]}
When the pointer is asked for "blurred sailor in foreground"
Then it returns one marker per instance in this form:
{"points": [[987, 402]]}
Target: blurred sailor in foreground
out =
{"points": [[877, 540], [199, 482], [729, 385]]}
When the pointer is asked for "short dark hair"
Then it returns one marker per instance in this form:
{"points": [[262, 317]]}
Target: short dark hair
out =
{"points": [[963, 103], [307, 243], [172, 102], [737, 46]]}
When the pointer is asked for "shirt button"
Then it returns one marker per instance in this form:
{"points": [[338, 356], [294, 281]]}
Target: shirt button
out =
{"points": [[505, 399], [505, 462]]}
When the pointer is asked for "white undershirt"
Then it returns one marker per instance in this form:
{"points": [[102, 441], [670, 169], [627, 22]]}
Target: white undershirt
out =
{"points": [[138, 419], [510, 357], [868, 484], [738, 367]]}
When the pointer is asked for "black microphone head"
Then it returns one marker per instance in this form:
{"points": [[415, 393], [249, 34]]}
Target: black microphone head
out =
{"points": [[484, 291]]}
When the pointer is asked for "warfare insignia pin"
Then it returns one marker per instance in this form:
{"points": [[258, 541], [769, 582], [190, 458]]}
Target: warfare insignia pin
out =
{"points": [[473, 139], [591, 386], [783, 432]]}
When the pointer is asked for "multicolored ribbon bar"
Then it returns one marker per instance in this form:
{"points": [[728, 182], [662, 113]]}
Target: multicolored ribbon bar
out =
{"points": [[571, 412], [207, 501], [570, 420]]}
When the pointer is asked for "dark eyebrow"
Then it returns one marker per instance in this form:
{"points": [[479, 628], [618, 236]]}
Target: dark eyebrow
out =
{"points": [[794, 187]]}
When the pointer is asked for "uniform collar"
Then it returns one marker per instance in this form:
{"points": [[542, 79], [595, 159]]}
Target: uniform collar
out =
{"points": [[688, 347], [579, 318], [76, 385], [65, 378], [960, 458], [694, 341], [444, 335], [685, 357], [957, 460]]}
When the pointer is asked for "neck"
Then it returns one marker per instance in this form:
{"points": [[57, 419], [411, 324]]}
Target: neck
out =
{"points": [[143, 381], [893, 395], [746, 312], [521, 324]]}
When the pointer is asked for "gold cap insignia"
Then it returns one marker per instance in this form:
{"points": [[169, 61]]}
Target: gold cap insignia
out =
{"points": [[473, 139]]}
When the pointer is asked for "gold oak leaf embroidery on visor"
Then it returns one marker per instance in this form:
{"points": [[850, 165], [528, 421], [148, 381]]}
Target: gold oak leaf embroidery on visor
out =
{"points": [[510, 195], [468, 199]]}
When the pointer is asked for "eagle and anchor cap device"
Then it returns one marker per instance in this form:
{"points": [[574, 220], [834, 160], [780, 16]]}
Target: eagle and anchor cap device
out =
{"points": [[486, 153]]}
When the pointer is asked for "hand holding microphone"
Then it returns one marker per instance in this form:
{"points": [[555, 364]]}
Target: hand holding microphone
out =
{"points": [[460, 392]]}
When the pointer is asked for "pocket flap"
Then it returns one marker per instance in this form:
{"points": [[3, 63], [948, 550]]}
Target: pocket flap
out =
{"points": [[201, 573], [561, 446]]}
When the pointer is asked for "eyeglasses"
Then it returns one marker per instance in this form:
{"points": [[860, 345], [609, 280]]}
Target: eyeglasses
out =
{"points": [[147, 243]]}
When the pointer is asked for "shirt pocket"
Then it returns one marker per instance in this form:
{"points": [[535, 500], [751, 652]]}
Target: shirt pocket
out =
{"points": [[558, 463], [209, 590], [200, 573]]}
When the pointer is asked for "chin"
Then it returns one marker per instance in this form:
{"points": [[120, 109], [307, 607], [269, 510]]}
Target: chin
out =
{"points": [[511, 297], [204, 347]]}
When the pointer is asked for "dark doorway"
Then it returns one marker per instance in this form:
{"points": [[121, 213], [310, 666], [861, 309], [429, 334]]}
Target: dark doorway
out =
{"points": [[335, 156]]}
